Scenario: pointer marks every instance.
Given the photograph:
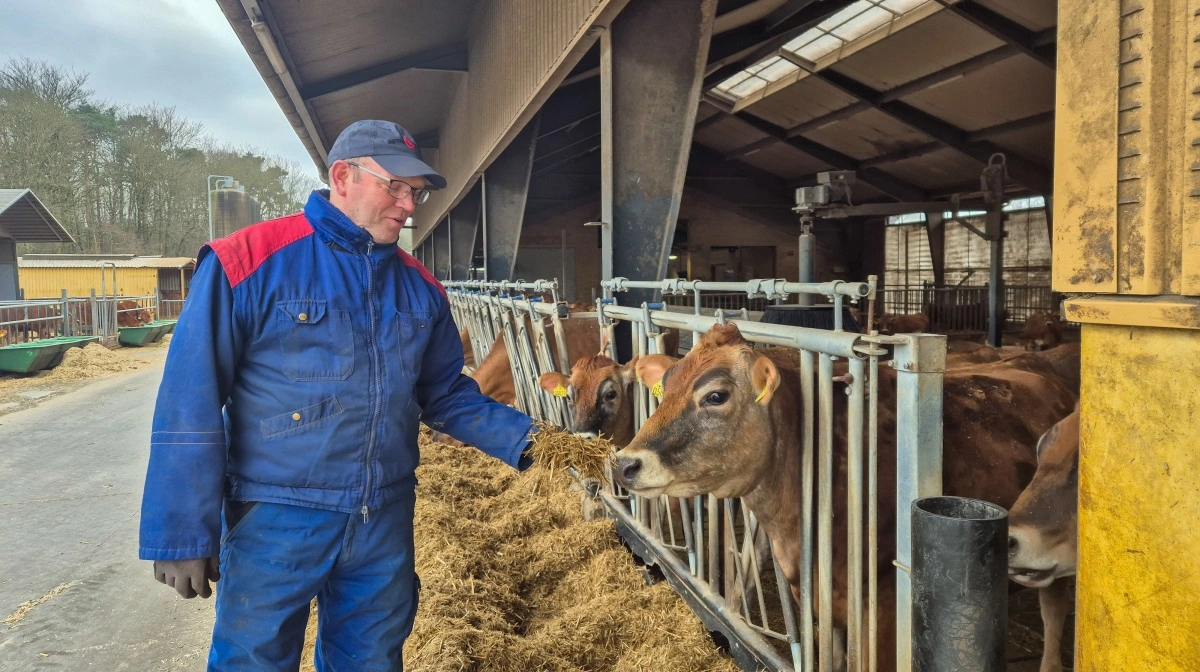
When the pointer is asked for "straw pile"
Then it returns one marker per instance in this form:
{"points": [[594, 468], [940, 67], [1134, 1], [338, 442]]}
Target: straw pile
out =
{"points": [[555, 449], [90, 361], [513, 579]]}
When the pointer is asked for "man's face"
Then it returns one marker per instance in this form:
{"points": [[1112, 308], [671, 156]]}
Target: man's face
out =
{"points": [[364, 198]]}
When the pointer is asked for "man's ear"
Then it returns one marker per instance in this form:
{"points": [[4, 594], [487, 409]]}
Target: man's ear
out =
{"points": [[339, 177], [765, 379]]}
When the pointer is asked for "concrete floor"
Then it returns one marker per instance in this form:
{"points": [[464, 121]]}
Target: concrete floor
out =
{"points": [[72, 470]]}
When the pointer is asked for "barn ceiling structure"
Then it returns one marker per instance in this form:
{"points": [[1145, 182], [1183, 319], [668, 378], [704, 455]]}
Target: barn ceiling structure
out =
{"points": [[539, 106]]}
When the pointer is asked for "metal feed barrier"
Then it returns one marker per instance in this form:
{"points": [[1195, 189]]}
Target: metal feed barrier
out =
{"points": [[96, 315], [710, 558]]}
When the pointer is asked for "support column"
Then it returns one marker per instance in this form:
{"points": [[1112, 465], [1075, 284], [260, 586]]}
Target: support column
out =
{"points": [[1126, 232], [464, 228], [935, 233], [504, 202], [658, 55], [439, 241]]}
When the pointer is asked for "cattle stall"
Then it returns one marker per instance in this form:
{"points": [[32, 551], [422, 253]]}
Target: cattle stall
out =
{"points": [[706, 547]]}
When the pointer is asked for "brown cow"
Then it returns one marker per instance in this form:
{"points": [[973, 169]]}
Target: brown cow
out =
{"points": [[1043, 539], [468, 349], [602, 394], [728, 425], [130, 315], [1043, 330], [904, 324]]}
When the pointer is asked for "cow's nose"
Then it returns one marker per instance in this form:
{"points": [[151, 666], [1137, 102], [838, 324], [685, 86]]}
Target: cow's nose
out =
{"points": [[629, 468], [1013, 545]]}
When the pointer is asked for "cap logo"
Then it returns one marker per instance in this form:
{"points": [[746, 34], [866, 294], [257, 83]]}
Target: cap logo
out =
{"points": [[409, 142]]}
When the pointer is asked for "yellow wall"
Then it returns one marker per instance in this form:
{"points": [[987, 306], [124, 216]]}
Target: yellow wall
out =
{"points": [[1127, 247], [1139, 528], [48, 283]]}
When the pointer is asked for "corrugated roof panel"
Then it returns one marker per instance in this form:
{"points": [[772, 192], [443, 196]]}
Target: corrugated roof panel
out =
{"points": [[24, 219], [1012, 89], [785, 161], [1032, 14], [807, 99], [937, 42], [727, 135], [1033, 143], [867, 135], [93, 262], [942, 170]]}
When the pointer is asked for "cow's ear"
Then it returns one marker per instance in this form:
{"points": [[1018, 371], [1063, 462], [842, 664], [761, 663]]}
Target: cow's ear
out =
{"points": [[765, 379], [629, 371], [652, 368], [555, 383]]}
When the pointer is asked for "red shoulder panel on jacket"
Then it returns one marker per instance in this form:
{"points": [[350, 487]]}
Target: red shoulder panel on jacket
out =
{"points": [[244, 251], [410, 260]]}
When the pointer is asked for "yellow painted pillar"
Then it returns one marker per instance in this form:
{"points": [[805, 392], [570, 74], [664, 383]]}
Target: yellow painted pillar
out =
{"points": [[1127, 251]]}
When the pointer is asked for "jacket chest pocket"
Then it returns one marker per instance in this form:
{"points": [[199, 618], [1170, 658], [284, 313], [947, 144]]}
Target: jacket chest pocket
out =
{"points": [[412, 333], [317, 341]]}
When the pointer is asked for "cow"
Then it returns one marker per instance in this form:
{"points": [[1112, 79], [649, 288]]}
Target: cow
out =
{"points": [[728, 425], [468, 349], [29, 322], [129, 314], [1043, 537], [904, 324], [601, 392], [1042, 331]]}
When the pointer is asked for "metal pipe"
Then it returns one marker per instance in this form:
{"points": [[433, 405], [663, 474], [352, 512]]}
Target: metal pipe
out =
{"points": [[825, 513], [959, 584], [854, 515], [807, 253], [807, 399], [841, 344], [873, 519], [771, 288]]}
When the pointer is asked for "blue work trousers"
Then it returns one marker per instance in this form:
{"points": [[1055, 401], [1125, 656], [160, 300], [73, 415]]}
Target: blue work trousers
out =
{"points": [[276, 558]]}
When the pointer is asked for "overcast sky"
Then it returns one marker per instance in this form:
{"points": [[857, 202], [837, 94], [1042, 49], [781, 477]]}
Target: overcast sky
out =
{"points": [[177, 53]]}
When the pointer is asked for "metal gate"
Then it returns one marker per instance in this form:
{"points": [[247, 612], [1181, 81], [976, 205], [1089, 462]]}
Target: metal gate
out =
{"points": [[711, 558]]}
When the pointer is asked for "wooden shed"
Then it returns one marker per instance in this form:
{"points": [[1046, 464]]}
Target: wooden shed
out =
{"points": [[45, 276]]}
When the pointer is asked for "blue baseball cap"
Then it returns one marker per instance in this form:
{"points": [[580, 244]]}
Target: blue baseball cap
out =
{"points": [[392, 147]]}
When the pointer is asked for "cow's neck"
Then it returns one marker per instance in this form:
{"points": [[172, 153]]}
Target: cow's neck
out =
{"points": [[776, 500]]}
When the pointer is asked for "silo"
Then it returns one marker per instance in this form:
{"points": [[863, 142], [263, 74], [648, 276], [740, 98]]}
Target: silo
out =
{"points": [[233, 209]]}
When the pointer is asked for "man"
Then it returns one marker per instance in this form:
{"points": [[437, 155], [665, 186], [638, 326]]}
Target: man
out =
{"points": [[309, 348]]}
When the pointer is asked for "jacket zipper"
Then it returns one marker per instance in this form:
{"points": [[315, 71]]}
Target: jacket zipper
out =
{"points": [[377, 391]]}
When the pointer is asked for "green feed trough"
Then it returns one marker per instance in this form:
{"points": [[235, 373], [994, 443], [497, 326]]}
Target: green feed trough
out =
{"points": [[138, 336], [38, 355]]}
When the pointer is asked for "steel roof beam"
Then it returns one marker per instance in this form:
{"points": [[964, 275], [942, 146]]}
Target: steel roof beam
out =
{"points": [[449, 57]]}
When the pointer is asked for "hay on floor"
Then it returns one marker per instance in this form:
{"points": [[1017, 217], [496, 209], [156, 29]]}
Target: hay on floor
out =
{"points": [[514, 580]]}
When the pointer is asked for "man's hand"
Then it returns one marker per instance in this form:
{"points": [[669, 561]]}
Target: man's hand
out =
{"points": [[188, 577]]}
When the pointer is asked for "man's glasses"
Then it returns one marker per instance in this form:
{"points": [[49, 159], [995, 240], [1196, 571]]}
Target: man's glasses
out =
{"points": [[396, 188]]}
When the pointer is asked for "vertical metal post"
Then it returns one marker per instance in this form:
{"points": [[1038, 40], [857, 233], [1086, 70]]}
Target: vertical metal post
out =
{"points": [[450, 245], [825, 512], [807, 253], [920, 366], [807, 371], [483, 222], [606, 156], [854, 514]]}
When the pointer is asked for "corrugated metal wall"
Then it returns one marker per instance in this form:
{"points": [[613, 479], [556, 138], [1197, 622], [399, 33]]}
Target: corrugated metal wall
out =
{"points": [[516, 47], [48, 283]]}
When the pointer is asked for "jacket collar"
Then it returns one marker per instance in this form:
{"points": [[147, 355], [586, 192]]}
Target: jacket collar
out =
{"points": [[332, 225]]}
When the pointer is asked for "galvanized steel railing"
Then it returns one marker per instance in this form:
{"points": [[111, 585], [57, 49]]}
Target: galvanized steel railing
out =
{"points": [[711, 557]]}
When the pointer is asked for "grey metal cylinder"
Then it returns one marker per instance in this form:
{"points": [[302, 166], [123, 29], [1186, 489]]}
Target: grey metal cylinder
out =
{"points": [[959, 585], [807, 255]]}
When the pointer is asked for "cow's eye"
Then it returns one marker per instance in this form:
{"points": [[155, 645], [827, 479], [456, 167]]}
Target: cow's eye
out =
{"points": [[611, 395], [716, 398]]}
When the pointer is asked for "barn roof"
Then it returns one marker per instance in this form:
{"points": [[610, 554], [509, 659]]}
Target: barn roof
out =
{"points": [[98, 260], [24, 219]]}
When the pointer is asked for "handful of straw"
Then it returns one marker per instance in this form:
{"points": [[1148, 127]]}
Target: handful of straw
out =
{"points": [[556, 449]]}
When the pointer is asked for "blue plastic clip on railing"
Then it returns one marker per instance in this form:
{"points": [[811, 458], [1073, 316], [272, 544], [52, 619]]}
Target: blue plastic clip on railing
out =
{"points": [[608, 302], [654, 306]]}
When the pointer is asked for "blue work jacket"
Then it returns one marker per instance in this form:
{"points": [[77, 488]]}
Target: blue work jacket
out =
{"points": [[303, 361]]}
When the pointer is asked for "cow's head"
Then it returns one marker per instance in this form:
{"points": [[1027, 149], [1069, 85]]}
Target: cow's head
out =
{"points": [[601, 397], [712, 432], [1043, 523]]}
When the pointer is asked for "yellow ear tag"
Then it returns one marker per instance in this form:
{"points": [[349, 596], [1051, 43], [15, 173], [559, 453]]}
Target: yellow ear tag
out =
{"points": [[761, 395], [656, 390], [560, 391]]}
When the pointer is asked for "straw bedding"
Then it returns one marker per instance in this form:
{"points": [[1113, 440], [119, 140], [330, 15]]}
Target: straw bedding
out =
{"points": [[513, 578]]}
